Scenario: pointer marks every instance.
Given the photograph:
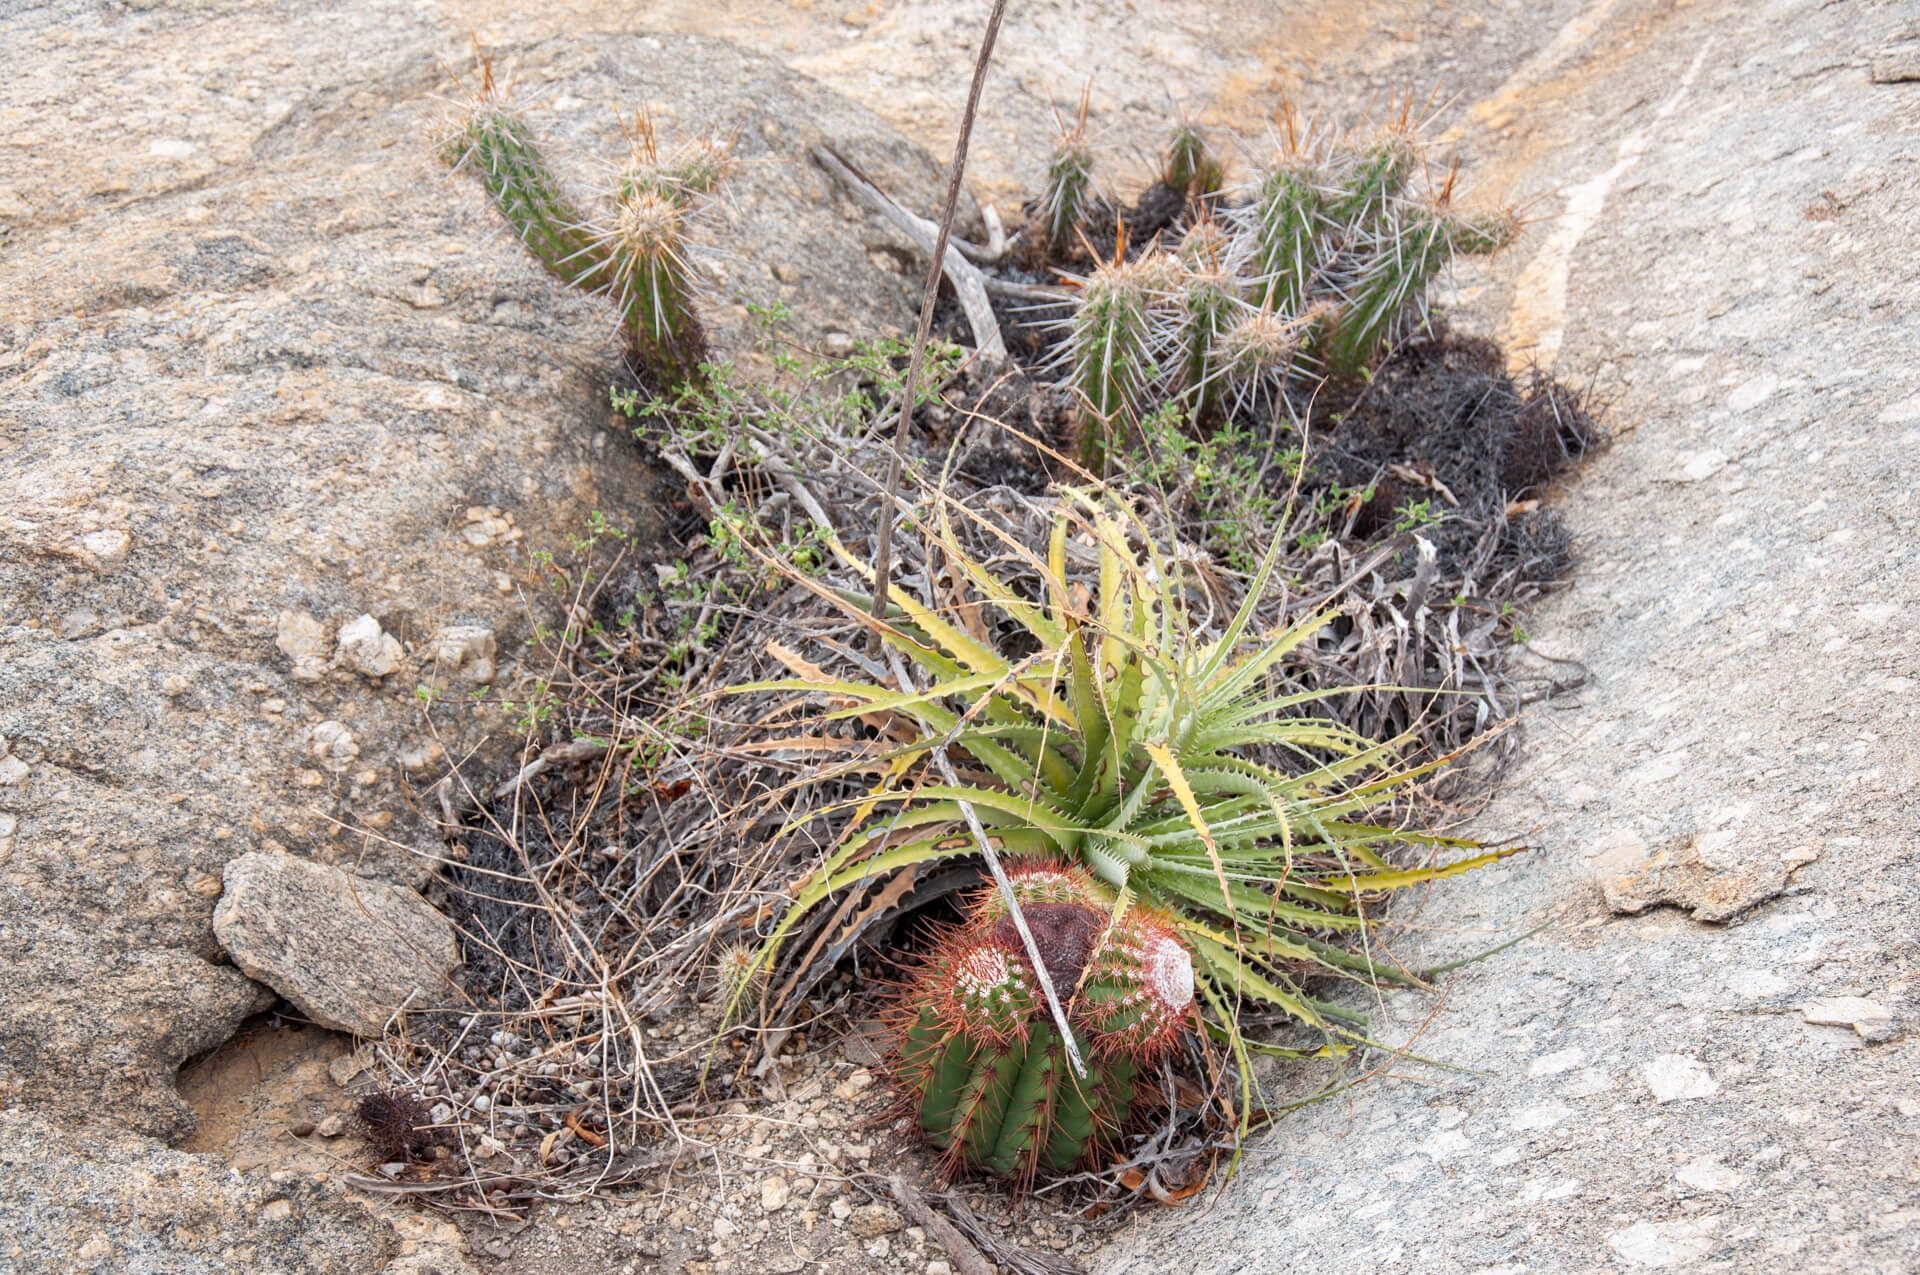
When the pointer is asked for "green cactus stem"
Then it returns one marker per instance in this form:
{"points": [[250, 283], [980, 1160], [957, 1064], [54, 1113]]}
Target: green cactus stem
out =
{"points": [[638, 260], [1255, 355], [650, 279], [1207, 299], [690, 173], [1284, 229], [981, 1059], [1068, 196], [1111, 350], [496, 143], [1191, 164], [1394, 270], [1374, 178]]}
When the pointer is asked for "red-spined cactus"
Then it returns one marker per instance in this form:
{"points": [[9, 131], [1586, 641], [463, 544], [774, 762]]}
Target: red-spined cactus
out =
{"points": [[981, 1059]]}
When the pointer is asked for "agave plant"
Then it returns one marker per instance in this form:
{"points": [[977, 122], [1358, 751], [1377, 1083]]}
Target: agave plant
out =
{"points": [[1180, 770]]}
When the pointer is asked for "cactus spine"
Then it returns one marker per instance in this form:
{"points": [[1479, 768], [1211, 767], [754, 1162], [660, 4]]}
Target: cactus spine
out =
{"points": [[638, 258], [980, 1057]]}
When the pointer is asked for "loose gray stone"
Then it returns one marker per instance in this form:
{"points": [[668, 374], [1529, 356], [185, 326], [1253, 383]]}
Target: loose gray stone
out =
{"points": [[1871, 1020], [347, 950], [366, 649], [303, 640], [465, 651], [112, 1201]]}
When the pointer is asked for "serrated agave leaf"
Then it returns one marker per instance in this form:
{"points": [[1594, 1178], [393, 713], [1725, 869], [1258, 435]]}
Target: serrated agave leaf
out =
{"points": [[1097, 750], [1209, 666], [1050, 632], [1260, 911], [1026, 809], [1361, 833], [1303, 735], [1225, 684], [1177, 779], [1400, 878], [1241, 979], [1255, 787], [869, 696], [1057, 572]]}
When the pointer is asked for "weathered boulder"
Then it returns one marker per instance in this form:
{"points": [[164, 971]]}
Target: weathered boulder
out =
{"points": [[349, 951], [286, 414], [131, 1204]]}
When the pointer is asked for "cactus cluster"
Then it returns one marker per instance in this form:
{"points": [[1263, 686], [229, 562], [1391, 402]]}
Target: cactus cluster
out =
{"points": [[636, 254], [1318, 261], [980, 1058]]}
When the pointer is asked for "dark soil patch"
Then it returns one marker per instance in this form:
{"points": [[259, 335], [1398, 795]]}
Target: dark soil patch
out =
{"points": [[1444, 424]]}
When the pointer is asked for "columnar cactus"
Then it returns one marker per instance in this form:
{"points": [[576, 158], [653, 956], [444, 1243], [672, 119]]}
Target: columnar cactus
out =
{"points": [[1191, 164], [637, 258], [1208, 298], [1282, 232], [1389, 266], [981, 1059], [495, 141], [1373, 176], [1068, 195], [1255, 354], [1111, 348]]}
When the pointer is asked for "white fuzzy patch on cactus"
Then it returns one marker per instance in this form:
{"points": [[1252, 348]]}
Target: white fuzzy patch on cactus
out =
{"points": [[986, 976], [1169, 973]]}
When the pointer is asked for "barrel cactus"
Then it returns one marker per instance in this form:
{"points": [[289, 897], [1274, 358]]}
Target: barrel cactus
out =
{"points": [[981, 1060]]}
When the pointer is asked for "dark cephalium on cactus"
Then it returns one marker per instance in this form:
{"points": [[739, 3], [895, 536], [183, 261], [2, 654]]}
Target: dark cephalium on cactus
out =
{"points": [[980, 1059], [637, 256]]}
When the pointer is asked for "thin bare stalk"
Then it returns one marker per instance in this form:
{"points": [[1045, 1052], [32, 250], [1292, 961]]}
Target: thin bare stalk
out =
{"points": [[936, 265]]}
